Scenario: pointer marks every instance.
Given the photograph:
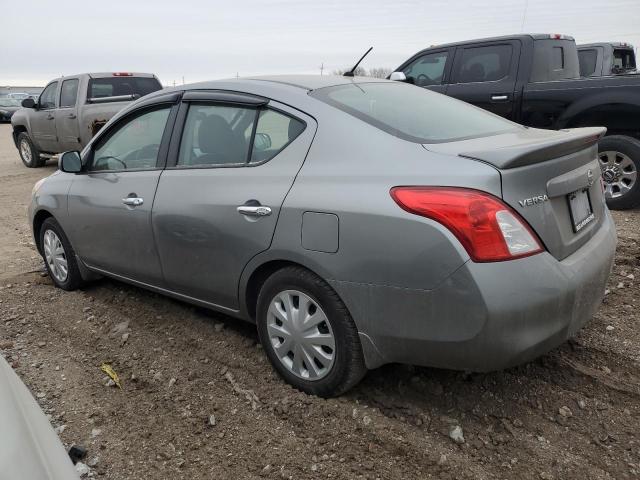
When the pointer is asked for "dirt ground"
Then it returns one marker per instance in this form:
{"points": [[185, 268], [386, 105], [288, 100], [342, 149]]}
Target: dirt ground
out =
{"points": [[575, 413]]}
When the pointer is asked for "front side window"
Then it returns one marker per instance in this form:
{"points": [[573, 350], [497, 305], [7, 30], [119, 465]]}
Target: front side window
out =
{"points": [[222, 135], [69, 93], [48, 97], [427, 70], [413, 114], [133, 145], [484, 64]]}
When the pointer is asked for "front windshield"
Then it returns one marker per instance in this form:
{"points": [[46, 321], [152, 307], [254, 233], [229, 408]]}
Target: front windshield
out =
{"points": [[413, 113], [9, 102]]}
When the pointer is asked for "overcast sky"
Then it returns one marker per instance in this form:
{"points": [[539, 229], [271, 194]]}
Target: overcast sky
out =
{"points": [[203, 40]]}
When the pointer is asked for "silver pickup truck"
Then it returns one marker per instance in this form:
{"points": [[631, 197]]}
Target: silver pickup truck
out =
{"points": [[71, 110]]}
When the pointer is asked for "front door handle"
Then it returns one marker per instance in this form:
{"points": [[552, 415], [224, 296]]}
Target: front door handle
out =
{"points": [[50, 117], [71, 116], [133, 201], [254, 210], [499, 98]]}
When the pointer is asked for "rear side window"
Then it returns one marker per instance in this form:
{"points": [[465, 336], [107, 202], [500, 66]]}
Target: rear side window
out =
{"points": [[69, 93], [484, 64], [223, 135], [427, 69], [554, 60], [588, 60], [48, 96], [412, 113], [116, 86]]}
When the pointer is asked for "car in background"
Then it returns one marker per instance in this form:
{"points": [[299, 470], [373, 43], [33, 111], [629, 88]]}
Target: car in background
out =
{"points": [[602, 59], [535, 80], [29, 447], [21, 95], [8, 106], [355, 221], [70, 110]]}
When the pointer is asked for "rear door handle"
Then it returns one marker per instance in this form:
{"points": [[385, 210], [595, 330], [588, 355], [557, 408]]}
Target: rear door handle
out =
{"points": [[499, 98], [71, 115], [133, 201], [50, 117], [254, 210]]}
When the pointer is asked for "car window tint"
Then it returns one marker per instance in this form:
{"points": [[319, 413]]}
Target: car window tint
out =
{"points": [[274, 132], [588, 60], [427, 70], [412, 113], [116, 86], [48, 97], [216, 135], [484, 64], [134, 144], [69, 93]]}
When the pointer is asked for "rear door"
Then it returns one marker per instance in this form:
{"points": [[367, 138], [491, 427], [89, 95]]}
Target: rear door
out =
{"points": [[111, 200], [43, 120], [218, 201], [485, 75], [430, 70], [67, 115]]}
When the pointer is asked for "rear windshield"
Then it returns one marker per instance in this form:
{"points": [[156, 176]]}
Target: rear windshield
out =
{"points": [[623, 59], [115, 86], [413, 113]]}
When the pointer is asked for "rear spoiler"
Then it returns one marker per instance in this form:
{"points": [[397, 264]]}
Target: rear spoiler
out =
{"points": [[564, 143], [117, 98]]}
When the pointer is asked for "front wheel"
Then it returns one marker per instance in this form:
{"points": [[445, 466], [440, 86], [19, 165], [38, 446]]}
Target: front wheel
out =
{"points": [[29, 154], [308, 334], [619, 158], [59, 257]]}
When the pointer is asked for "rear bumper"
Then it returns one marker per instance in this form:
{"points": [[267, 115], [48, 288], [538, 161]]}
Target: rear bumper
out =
{"points": [[485, 316]]}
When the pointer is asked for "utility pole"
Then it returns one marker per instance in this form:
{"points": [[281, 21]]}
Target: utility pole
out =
{"points": [[321, 68], [183, 79]]}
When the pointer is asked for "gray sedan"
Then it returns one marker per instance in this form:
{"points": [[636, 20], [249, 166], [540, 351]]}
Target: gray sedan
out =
{"points": [[355, 221]]}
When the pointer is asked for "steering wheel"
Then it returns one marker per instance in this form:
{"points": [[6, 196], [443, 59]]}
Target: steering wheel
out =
{"points": [[423, 79], [147, 151], [110, 157]]}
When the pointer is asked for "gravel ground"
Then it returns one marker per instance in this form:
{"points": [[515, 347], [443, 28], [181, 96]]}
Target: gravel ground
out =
{"points": [[200, 401]]}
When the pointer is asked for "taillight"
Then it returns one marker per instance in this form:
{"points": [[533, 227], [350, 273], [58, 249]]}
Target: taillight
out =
{"points": [[488, 229]]}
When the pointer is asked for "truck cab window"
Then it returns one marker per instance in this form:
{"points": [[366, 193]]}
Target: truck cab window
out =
{"points": [[427, 69], [48, 97], [484, 64], [69, 93], [588, 60]]}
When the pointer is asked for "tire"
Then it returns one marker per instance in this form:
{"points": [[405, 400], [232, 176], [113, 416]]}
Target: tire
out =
{"points": [[73, 279], [619, 158], [30, 156], [347, 366]]}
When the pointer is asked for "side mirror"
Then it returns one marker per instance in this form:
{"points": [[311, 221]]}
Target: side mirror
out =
{"points": [[262, 142], [28, 103], [70, 162], [398, 77]]}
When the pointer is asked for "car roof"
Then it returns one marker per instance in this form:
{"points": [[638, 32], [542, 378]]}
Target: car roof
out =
{"points": [[305, 82], [606, 44]]}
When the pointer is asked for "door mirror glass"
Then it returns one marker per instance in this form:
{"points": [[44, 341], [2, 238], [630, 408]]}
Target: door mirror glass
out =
{"points": [[398, 77], [28, 103], [262, 142], [70, 162]]}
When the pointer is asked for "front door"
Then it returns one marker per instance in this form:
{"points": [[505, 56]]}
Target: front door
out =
{"points": [[218, 205], [111, 201], [43, 120], [485, 76], [67, 116]]}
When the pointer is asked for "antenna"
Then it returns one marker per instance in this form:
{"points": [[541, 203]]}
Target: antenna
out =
{"points": [[350, 72]]}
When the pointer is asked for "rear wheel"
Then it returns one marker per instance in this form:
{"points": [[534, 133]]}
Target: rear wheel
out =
{"points": [[59, 257], [29, 154], [619, 158], [308, 334]]}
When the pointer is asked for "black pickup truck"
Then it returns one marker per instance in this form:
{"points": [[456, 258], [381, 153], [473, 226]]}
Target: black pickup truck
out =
{"points": [[535, 80]]}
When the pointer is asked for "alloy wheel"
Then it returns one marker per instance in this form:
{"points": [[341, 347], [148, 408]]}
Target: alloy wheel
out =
{"points": [[25, 151], [618, 172], [55, 256], [301, 335]]}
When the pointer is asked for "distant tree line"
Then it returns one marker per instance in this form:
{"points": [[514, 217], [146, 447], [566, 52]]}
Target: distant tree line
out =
{"points": [[378, 72]]}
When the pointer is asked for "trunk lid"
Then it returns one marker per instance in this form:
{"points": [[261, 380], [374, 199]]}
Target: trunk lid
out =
{"points": [[551, 178]]}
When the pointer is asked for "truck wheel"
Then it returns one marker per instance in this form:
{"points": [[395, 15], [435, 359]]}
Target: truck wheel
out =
{"points": [[619, 158], [28, 152]]}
